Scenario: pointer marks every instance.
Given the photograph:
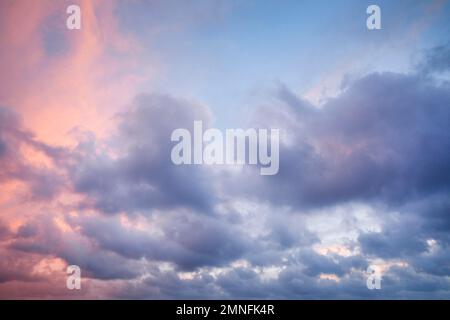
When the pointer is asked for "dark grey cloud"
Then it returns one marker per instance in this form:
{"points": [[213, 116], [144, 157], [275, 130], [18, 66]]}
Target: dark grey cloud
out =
{"points": [[142, 176], [316, 264], [435, 262], [434, 215], [397, 240], [185, 239], [291, 283], [384, 139], [407, 283], [168, 285], [284, 236], [419, 236]]}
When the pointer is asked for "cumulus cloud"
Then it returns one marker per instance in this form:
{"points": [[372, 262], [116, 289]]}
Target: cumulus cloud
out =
{"points": [[385, 138], [43, 236], [140, 176], [166, 231], [185, 239]]}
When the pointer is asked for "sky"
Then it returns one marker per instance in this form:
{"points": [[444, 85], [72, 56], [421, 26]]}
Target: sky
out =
{"points": [[86, 178]]}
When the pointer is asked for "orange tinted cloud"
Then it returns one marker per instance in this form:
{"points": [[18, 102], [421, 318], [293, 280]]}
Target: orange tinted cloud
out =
{"points": [[55, 79], [83, 83]]}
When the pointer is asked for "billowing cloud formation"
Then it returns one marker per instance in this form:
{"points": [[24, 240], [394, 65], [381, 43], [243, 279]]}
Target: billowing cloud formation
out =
{"points": [[141, 175], [364, 180], [384, 138]]}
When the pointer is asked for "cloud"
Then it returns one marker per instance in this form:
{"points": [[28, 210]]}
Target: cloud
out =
{"points": [[418, 236], [57, 66], [5, 232], [214, 243], [384, 142], [436, 60], [316, 264], [20, 155], [385, 139], [141, 176], [43, 236], [398, 241], [145, 228]]}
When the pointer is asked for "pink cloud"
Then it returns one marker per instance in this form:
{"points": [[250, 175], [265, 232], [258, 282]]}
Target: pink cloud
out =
{"points": [[86, 84]]}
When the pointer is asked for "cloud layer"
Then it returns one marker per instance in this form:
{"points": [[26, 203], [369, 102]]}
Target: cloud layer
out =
{"points": [[364, 180]]}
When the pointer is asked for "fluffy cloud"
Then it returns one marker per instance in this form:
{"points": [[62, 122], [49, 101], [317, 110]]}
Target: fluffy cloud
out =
{"points": [[140, 175], [157, 230], [385, 138], [185, 239]]}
